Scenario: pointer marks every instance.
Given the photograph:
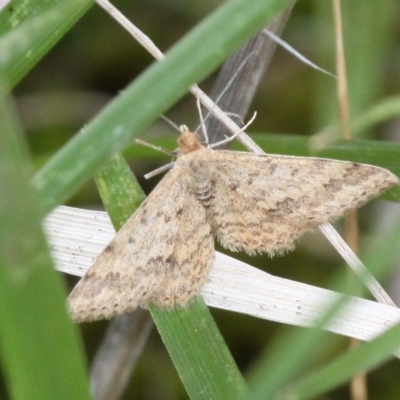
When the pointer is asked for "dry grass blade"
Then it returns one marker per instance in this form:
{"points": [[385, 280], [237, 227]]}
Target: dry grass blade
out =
{"points": [[232, 285]]}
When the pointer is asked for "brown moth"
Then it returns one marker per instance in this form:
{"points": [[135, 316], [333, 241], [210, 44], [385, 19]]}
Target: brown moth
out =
{"points": [[248, 202]]}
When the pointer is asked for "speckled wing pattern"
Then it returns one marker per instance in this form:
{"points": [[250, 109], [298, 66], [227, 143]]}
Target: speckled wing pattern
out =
{"points": [[255, 203], [161, 256], [264, 203]]}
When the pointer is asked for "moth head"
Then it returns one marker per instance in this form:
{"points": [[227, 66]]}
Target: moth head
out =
{"points": [[188, 141]]}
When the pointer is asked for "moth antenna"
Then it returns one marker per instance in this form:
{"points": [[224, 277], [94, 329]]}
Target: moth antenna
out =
{"points": [[231, 80], [159, 170], [230, 138], [158, 148], [231, 114], [228, 85], [170, 122]]}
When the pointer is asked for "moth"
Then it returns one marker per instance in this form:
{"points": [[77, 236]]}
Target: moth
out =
{"points": [[248, 202]]}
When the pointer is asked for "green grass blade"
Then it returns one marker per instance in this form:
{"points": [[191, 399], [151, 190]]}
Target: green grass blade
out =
{"points": [[119, 190], [360, 359], [199, 53], [41, 355], [30, 30], [384, 111], [199, 353]]}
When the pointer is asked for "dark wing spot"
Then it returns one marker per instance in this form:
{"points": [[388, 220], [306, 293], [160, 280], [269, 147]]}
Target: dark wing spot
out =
{"points": [[109, 248]]}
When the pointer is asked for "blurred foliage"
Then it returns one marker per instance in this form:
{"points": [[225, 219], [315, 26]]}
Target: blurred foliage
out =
{"points": [[97, 59]]}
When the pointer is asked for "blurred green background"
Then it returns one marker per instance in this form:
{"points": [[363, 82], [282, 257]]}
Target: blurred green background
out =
{"points": [[97, 59]]}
